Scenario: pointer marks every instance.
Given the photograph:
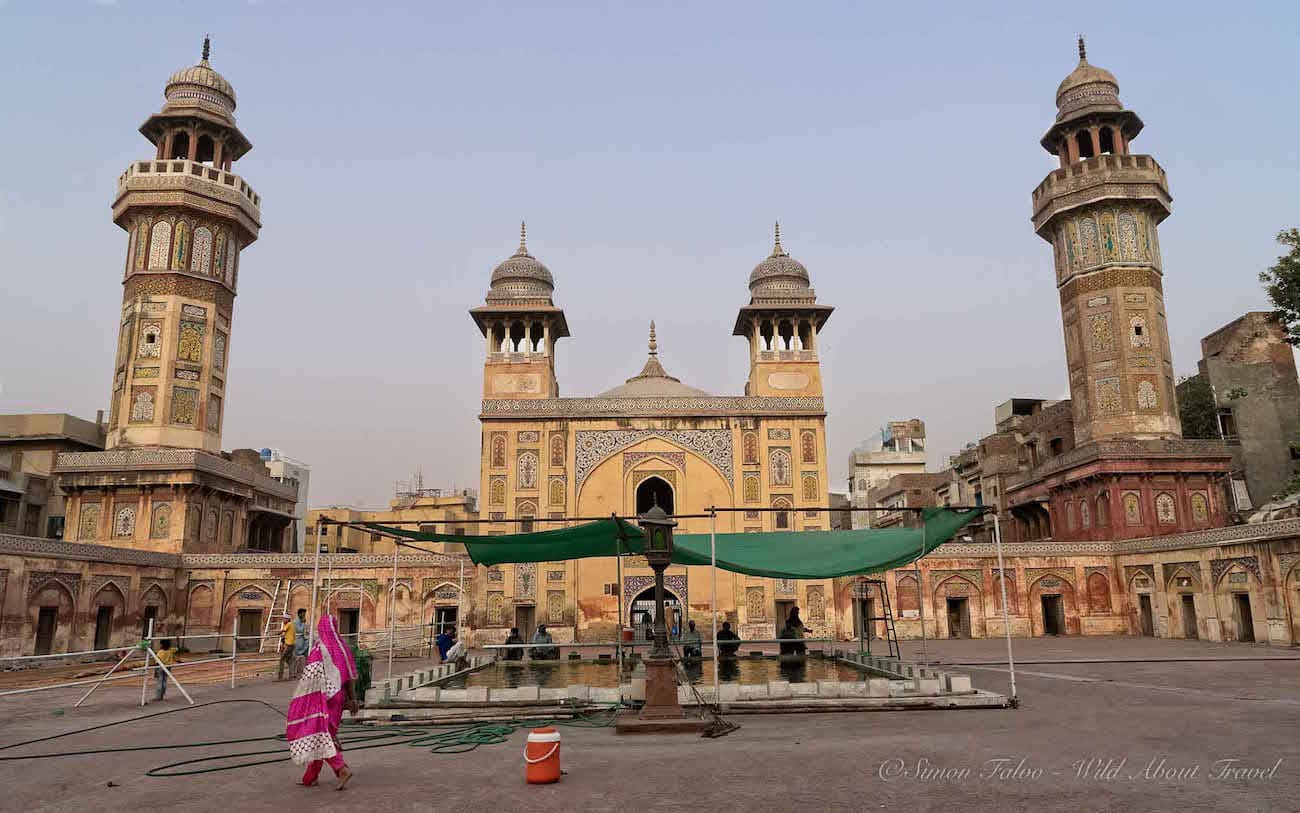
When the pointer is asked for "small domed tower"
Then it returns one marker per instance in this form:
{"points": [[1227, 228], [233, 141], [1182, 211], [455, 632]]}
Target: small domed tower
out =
{"points": [[520, 325], [1100, 211], [188, 217], [781, 323]]}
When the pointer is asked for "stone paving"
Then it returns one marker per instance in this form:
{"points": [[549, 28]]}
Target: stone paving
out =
{"points": [[1089, 735]]}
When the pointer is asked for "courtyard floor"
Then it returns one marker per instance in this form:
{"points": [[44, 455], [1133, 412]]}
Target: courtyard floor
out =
{"points": [[1089, 735]]}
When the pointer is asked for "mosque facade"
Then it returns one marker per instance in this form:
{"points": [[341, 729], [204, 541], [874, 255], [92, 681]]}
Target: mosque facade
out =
{"points": [[1121, 529]]}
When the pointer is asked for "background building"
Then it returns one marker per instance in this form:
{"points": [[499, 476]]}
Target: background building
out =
{"points": [[443, 511], [31, 503], [898, 448], [297, 474]]}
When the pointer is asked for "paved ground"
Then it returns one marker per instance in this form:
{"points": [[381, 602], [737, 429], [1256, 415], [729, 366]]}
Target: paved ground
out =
{"points": [[1214, 702]]}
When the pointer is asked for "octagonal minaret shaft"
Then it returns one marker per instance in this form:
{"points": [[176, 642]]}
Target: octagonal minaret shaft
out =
{"points": [[188, 217], [1100, 212]]}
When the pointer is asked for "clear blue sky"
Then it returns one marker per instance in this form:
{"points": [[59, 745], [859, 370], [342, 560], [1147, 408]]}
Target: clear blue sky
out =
{"points": [[650, 147]]}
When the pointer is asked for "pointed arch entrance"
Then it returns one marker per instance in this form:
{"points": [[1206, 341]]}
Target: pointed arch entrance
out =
{"points": [[654, 491], [644, 603]]}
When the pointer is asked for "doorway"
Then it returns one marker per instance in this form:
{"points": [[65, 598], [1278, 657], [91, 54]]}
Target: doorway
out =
{"points": [[865, 609], [1053, 615], [1145, 619], [1189, 617], [103, 627], [46, 623], [959, 618], [249, 630], [444, 619], [654, 491], [783, 609], [149, 624], [644, 603], [525, 618], [349, 622], [1245, 621]]}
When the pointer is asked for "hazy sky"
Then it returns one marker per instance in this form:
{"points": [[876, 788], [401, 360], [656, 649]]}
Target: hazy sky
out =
{"points": [[650, 147]]}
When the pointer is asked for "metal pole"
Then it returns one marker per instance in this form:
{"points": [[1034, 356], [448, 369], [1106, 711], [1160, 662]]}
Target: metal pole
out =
{"points": [[460, 604], [315, 584], [392, 612], [618, 568], [713, 597], [144, 681], [234, 646], [921, 595], [104, 678], [1006, 617]]}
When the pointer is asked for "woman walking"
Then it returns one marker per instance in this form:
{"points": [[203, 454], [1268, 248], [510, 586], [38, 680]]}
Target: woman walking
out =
{"points": [[326, 688]]}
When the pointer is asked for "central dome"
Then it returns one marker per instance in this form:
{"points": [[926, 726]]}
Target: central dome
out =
{"points": [[653, 381], [521, 276]]}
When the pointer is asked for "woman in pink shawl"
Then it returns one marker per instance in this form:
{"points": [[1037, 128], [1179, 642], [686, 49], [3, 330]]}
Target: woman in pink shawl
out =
{"points": [[325, 689]]}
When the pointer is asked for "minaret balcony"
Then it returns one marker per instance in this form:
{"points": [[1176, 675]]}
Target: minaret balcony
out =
{"points": [[206, 188], [1122, 177], [787, 355]]}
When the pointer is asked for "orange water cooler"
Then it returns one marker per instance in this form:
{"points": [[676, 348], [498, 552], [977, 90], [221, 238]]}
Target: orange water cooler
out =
{"points": [[542, 756]]}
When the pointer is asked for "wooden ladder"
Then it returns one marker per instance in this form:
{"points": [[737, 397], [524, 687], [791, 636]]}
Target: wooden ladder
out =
{"points": [[281, 589]]}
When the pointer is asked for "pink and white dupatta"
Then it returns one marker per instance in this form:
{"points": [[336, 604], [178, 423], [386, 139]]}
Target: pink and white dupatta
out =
{"points": [[317, 705]]}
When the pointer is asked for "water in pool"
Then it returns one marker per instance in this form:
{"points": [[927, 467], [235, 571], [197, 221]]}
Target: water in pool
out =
{"points": [[606, 674]]}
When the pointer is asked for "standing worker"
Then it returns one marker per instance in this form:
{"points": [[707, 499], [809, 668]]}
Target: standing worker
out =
{"points": [[167, 656], [300, 642], [288, 635]]}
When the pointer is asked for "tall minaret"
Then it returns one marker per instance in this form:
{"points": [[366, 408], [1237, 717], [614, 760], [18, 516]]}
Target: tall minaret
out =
{"points": [[781, 323], [188, 217], [1100, 211], [520, 326]]}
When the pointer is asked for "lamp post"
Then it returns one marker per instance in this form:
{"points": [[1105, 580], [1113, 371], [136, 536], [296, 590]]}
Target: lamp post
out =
{"points": [[660, 671]]}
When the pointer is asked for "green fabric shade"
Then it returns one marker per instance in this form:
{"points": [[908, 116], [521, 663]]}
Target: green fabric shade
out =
{"points": [[779, 554]]}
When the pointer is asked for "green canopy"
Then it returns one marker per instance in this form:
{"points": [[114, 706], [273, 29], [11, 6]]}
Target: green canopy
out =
{"points": [[779, 554]]}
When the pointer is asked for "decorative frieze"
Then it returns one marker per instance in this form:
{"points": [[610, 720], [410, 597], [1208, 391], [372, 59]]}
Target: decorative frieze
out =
{"points": [[594, 446], [640, 407]]}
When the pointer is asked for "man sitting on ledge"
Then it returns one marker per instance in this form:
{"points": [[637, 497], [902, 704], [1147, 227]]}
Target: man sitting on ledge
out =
{"points": [[543, 653], [726, 634], [516, 654], [692, 645]]}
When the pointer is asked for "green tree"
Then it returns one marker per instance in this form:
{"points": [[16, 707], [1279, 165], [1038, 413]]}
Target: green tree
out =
{"points": [[1196, 408], [1282, 282]]}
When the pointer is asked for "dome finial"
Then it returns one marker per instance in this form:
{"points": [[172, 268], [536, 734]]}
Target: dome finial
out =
{"points": [[523, 239], [654, 345], [1083, 50], [207, 46], [777, 251]]}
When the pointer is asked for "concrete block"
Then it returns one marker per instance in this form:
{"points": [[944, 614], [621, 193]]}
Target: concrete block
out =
{"points": [[778, 689], [728, 692], [529, 693], [556, 695], [755, 692], [901, 688], [828, 688], [502, 695], [604, 694], [637, 691], [927, 685], [959, 684], [684, 695], [375, 695], [803, 690], [578, 691], [476, 694], [878, 687], [454, 695], [428, 694]]}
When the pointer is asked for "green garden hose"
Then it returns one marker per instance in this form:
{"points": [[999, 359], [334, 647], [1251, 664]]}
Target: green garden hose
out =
{"points": [[457, 740]]}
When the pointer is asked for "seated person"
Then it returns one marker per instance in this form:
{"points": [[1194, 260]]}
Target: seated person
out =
{"points": [[458, 655], [543, 653], [516, 654], [444, 641], [691, 642], [726, 634]]}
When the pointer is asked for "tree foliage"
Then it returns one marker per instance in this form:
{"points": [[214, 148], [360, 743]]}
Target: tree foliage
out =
{"points": [[1282, 281], [1196, 408]]}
